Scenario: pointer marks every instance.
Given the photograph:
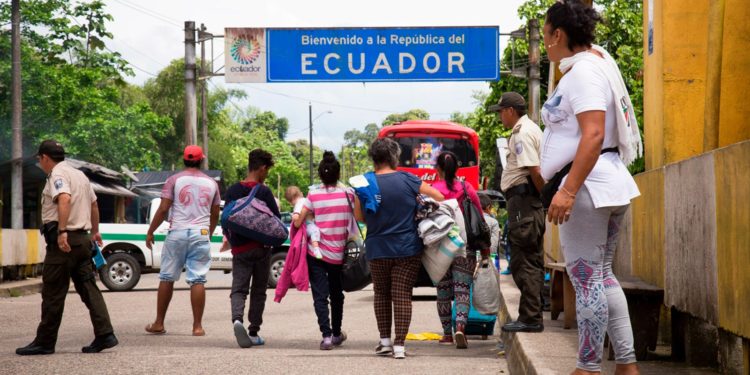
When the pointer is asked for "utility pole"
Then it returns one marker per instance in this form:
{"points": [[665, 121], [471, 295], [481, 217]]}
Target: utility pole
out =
{"points": [[278, 187], [309, 106], [204, 116], [16, 192], [534, 73], [191, 123]]}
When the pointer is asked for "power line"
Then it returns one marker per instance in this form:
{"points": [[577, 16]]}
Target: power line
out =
{"points": [[150, 13], [129, 63], [333, 104], [229, 98], [139, 52], [133, 65]]}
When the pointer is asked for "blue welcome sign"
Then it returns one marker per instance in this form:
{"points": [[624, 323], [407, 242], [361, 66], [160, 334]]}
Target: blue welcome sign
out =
{"points": [[363, 54]]}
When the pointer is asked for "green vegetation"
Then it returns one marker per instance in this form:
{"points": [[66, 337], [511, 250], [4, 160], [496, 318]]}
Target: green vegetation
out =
{"points": [[74, 91], [621, 33]]}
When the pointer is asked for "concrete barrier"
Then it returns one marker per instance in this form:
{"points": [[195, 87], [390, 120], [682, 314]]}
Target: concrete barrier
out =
{"points": [[21, 253]]}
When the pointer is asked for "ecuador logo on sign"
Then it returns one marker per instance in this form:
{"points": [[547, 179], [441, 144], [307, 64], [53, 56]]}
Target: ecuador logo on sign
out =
{"points": [[245, 51], [362, 54]]}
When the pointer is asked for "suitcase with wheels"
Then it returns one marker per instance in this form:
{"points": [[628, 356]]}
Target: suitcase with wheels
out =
{"points": [[478, 324]]}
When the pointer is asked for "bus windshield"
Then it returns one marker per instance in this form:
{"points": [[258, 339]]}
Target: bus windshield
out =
{"points": [[422, 152]]}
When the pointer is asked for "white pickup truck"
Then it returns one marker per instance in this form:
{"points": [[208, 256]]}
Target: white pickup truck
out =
{"points": [[128, 257]]}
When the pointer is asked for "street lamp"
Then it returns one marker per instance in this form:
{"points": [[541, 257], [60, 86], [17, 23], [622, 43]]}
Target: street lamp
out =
{"points": [[521, 71], [311, 140]]}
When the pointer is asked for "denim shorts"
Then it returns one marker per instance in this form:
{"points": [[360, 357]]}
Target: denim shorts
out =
{"points": [[186, 248]]}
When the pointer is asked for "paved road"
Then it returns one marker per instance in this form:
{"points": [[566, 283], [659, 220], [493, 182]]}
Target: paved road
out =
{"points": [[290, 330]]}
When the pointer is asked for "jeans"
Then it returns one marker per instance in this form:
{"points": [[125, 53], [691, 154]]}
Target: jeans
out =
{"points": [[189, 248], [325, 280], [246, 266]]}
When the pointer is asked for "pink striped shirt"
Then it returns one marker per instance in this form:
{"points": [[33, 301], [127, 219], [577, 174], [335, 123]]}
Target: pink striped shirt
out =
{"points": [[333, 216]]}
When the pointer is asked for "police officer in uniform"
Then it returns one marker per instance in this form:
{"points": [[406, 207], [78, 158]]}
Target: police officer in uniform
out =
{"points": [[521, 183], [69, 212]]}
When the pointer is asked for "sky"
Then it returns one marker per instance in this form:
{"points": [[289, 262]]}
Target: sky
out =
{"points": [[149, 34]]}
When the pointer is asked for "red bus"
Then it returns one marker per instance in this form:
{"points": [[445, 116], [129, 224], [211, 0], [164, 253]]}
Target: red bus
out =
{"points": [[422, 141]]}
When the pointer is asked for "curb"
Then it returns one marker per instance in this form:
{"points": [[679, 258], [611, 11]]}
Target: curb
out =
{"points": [[19, 289], [516, 357]]}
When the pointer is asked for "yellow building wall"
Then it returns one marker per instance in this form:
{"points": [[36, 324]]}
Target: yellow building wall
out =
{"points": [[735, 73], [647, 251], [733, 237], [653, 93], [674, 88]]}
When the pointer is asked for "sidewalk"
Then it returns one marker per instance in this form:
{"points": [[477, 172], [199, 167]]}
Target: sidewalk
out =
{"points": [[20, 288], [554, 350]]}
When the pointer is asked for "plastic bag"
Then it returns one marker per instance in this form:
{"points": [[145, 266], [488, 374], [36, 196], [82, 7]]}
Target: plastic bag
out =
{"points": [[486, 296], [437, 259]]}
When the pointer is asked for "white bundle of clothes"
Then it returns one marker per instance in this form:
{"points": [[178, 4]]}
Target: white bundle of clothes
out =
{"points": [[444, 237]]}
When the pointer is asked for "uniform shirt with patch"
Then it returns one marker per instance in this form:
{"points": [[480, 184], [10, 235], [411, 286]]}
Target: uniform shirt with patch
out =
{"points": [[64, 179], [524, 148]]}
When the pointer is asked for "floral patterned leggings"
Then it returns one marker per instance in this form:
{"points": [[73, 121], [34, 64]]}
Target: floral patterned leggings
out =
{"points": [[456, 284], [589, 241]]}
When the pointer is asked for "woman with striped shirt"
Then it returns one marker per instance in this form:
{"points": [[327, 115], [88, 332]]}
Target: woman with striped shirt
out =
{"points": [[330, 207]]}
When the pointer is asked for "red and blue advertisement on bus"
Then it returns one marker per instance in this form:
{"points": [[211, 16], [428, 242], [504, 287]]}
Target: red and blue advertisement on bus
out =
{"points": [[422, 141]]}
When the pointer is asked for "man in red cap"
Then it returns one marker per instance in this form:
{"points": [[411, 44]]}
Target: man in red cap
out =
{"points": [[191, 199]]}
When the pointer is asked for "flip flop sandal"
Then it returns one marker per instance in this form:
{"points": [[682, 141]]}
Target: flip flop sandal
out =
{"points": [[151, 330]]}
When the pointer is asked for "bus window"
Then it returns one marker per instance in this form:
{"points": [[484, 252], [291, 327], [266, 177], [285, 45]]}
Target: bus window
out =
{"points": [[422, 152]]}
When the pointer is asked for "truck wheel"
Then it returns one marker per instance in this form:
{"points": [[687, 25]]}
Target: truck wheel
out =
{"points": [[121, 273], [274, 271]]}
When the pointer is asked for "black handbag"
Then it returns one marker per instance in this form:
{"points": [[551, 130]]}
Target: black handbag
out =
{"points": [[355, 273], [477, 231], [550, 188]]}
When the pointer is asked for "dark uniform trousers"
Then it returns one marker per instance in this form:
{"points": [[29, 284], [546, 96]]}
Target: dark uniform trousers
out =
{"points": [[59, 269], [526, 224]]}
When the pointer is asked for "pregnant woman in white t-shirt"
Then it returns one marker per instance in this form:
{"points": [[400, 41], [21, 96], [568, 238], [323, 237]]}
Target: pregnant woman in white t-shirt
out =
{"points": [[581, 119]]}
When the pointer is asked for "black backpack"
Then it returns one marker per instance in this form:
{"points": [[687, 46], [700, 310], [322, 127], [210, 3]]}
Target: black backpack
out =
{"points": [[477, 231]]}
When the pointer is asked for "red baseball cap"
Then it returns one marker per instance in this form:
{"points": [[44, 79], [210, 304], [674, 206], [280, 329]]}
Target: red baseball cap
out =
{"points": [[193, 152]]}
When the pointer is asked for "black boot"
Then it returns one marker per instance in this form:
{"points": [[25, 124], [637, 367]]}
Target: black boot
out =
{"points": [[35, 349], [100, 343]]}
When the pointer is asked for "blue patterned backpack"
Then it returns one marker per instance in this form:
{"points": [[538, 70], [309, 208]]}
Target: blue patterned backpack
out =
{"points": [[252, 219]]}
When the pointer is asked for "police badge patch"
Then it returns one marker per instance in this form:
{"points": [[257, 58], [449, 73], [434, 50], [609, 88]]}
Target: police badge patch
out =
{"points": [[58, 184], [519, 148]]}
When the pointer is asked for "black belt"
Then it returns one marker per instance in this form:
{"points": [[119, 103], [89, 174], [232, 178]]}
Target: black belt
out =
{"points": [[522, 189], [77, 231]]}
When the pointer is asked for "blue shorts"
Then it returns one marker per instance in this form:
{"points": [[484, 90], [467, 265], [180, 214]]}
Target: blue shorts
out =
{"points": [[186, 248]]}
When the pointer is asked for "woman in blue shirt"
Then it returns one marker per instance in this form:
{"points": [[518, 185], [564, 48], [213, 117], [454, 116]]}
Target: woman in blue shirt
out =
{"points": [[393, 245]]}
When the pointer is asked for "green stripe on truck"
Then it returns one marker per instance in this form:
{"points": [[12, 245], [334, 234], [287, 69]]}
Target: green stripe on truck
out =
{"points": [[142, 237]]}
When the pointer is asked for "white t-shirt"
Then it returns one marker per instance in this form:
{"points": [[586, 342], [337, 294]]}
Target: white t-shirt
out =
{"points": [[298, 205], [192, 194], [585, 88]]}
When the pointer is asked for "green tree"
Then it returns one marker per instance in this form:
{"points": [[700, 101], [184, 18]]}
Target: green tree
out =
{"points": [[266, 119], [166, 95], [353, 155], [620, 33], [300, 149], [73, 87], [412, 114]]}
